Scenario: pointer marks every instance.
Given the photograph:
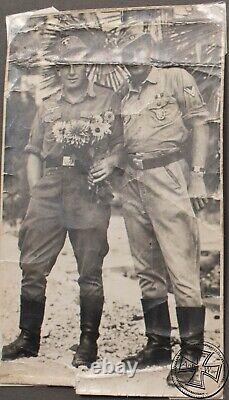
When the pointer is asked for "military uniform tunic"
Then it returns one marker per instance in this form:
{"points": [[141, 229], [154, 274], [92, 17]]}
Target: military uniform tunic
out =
{"points": [[160, 221], [62, 201], [79, 208]]}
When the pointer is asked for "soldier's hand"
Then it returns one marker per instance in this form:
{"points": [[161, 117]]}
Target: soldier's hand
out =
{"points": [[197, 191], [102, 169]]}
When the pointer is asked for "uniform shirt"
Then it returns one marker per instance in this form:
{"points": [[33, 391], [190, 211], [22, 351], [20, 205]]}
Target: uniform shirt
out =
{"points": [[157, 117], [56, 108], [64, 191]]}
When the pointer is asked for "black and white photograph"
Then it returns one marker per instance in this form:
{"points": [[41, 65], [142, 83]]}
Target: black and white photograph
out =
{"points": [[111, 246]]}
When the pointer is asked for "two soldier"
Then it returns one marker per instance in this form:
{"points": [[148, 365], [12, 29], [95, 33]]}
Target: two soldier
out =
{"points": [[160, 110]]}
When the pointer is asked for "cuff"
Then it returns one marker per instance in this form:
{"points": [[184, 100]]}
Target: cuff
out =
{"points": [[197, 113]]}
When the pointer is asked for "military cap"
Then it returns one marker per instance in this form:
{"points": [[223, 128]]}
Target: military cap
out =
{"points": [[70, 48], [132, 34]]}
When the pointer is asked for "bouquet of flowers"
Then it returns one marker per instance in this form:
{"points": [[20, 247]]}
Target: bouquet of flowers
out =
{"points": [[85, 130]]}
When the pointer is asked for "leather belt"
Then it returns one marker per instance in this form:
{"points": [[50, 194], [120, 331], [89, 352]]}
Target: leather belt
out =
{"points": [[66, 161], [147, 163]]}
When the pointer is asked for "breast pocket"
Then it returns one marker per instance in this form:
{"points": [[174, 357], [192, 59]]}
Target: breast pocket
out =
{"points": [[52, 114]]}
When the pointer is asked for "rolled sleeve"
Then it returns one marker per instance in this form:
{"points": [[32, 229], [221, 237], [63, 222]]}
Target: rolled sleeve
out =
{"points": [[35, 143]]}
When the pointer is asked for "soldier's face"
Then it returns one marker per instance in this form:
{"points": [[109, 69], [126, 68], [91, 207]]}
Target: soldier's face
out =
{"points": [[139, 53], [73, 76], [138, 71]]}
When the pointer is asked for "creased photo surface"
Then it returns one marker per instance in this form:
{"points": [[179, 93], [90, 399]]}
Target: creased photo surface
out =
{"points": [[111, 247]]}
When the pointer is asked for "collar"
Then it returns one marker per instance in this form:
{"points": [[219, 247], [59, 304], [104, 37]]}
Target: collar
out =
{"points": [[89, 92], [153, 75], [152, 78]]}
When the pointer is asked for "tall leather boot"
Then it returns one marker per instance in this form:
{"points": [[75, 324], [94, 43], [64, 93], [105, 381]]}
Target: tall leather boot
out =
{"points": [[91, 311], [158, 330], [27, 343], [191, 327]]}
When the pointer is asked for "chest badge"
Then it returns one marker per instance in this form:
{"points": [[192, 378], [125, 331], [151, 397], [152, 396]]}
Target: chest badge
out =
{"points": [[159, 108], [160, 113]]}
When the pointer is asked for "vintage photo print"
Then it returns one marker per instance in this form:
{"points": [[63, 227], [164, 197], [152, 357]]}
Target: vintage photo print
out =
{"points": [[111, 243]]}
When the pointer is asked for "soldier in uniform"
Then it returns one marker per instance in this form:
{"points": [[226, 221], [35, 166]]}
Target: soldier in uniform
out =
{"points": [[161, 195], [76, 138]]}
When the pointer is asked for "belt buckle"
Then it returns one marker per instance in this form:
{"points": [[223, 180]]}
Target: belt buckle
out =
{"points": [[68, 161], [138, 162]]}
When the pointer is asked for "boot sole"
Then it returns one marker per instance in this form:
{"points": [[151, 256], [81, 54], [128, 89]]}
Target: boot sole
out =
{"points": [[188, 375], [84, 363], [153, 364], [21, 355], [155, 361]]}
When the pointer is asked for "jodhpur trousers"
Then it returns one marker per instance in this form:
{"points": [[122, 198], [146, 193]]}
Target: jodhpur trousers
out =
{"points": [[163, 232], [61, 205]]}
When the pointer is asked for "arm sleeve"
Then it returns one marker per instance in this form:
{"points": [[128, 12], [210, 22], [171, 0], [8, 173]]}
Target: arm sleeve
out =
{"points": [[189, 97], [117, 128], [35, 143]]}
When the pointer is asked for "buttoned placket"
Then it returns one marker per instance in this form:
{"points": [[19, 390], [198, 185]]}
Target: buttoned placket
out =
{"points": [[140, 173], [139, 90], [65, 171], [136, 91]]}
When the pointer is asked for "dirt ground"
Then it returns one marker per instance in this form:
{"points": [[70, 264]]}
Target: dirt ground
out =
{"points": [[122, 327]]}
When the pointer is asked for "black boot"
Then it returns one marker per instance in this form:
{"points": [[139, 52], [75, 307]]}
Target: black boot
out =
{"points": [[28, 342], [191, 327], [91, 311], [158, 329]]}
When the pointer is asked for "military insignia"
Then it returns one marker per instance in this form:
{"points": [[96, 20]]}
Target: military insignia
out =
{"points": [[190, 90], [158, 106], [160, 113]]}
